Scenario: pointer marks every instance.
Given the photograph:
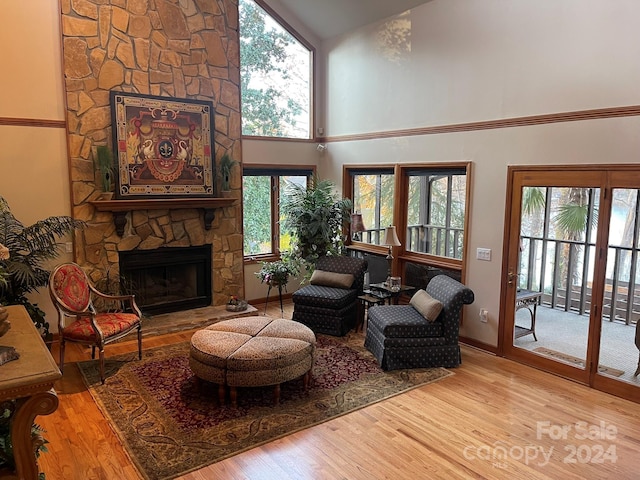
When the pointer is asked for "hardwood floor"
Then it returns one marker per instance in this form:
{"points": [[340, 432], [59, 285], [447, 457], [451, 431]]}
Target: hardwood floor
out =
{"points": [[493, 419]]}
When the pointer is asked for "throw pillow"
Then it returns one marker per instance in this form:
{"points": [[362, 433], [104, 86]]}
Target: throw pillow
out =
{"points": [[428, 306], [331, 279]]}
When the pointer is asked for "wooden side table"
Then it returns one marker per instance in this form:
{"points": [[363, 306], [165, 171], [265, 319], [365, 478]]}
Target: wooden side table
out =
{"points": [[365, 301], [28, 383]]}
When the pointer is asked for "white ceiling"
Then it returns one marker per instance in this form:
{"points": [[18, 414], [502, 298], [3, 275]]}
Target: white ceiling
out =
{"points": [[329, 18]]}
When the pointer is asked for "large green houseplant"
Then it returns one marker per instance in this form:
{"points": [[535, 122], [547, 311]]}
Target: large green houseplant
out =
{"points": [[29, 247], [315, 215]]}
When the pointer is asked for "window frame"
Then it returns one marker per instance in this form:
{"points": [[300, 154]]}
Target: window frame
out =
{"points": [[401, 174], [403, 199], [378, 171], [275, 172], [425, 173], [312, 78]]}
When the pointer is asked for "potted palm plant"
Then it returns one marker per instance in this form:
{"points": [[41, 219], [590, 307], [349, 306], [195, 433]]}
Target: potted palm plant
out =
{"points": [[27, 250], [315, 215]]}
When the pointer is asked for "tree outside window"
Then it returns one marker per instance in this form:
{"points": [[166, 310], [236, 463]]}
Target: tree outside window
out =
{"points": [[373, 195], [262, 191], [275, 75], [436, 212]]}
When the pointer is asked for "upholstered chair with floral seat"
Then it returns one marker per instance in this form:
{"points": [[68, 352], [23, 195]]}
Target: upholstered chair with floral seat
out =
{"points": [[78, 321]]}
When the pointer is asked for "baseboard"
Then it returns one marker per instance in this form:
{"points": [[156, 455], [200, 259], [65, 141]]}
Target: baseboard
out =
{"points": [[479, 345]]}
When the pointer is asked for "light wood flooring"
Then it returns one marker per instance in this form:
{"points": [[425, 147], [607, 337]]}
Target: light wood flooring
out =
{"points": [[493, 419]]}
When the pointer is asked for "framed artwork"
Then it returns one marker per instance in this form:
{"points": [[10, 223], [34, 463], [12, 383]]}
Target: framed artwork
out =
{"points": [[164, 146]]}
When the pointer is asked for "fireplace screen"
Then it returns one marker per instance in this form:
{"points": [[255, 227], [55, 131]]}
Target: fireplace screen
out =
{"points": [[168, 279]]}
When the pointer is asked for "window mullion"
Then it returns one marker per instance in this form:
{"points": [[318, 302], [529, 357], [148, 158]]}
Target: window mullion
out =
{"points": [[378, 206], [275, 214]]}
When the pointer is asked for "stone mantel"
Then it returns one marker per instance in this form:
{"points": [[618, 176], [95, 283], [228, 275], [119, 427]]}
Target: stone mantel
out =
{"points": [[120, 208]]}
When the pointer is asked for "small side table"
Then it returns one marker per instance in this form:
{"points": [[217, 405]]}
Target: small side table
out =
{"points": [[527, 299], [365, 301], [393, 296]]}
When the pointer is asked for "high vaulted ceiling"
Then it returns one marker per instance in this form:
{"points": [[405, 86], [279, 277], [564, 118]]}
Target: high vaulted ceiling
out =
{"points": [[329, 18]]}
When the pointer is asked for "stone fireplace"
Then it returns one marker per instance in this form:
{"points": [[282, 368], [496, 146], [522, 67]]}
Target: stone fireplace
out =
{"points": [[186, 49]]}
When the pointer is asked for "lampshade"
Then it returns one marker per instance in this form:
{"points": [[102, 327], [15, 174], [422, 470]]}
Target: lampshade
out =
{"points": [[357, 225], [390, 237]]}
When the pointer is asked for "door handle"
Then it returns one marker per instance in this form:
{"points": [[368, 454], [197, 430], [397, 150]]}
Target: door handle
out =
{"points": [[510, 277]]}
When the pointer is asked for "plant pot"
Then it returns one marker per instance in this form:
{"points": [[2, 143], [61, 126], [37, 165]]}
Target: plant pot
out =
{"points": [[226, 193], [106, 196], [275, 283]]}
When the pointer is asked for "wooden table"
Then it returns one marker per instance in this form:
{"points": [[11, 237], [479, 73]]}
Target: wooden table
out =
{"points": [[527, 299], [365, 301], [28, 384]]}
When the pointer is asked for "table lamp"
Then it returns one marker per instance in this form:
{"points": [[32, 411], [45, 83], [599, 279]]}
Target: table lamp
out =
{"points": [[390, 240], [357, 225]]}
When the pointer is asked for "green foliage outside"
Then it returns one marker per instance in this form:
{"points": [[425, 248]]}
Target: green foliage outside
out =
{"points": [[366, 199], [568, 221], [256, 191], [268, 108]]}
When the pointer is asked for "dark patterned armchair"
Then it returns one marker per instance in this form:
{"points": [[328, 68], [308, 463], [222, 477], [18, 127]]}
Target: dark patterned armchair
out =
{"points": [[329, 303], [400, 337]]}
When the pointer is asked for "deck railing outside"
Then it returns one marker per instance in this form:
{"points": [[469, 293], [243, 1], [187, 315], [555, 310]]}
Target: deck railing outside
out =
{"points": [[433, 239], [550, 265]]}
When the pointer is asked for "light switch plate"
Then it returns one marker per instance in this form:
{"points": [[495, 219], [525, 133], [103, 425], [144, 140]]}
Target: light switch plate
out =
{"points": [[483, 254]]}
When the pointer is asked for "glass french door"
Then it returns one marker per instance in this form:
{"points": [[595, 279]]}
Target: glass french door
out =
{"points": [[571, 294], [618, 342]]}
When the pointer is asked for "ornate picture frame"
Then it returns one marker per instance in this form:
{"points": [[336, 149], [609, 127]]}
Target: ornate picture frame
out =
{"points": [[164, 146]]}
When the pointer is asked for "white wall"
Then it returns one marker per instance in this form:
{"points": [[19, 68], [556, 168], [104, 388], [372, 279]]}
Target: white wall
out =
{"points": [[34, 175], [471, 60], [475, 60]]}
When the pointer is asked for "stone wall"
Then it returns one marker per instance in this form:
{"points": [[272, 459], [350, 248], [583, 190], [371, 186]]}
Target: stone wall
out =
{"points": [[173, 48]]}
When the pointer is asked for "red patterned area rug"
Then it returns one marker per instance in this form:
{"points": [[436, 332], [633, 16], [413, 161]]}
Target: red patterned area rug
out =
{"points": [[170, 427]]}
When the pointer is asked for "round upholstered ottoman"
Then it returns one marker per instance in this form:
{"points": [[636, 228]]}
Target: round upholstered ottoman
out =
{"points": [[252, 352]]}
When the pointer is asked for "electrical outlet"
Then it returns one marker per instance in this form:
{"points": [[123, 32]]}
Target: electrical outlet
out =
{"points": [[483, 254], [68, 247], [484, 315]]}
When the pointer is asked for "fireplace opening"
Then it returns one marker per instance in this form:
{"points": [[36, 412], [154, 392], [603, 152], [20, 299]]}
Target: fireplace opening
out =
{"points": [[168, 279]]}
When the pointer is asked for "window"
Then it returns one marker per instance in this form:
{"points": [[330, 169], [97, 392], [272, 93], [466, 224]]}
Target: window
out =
{"points": [[373, 193], [436, 211], [276, 67], [427, 203], [262, 188]]}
